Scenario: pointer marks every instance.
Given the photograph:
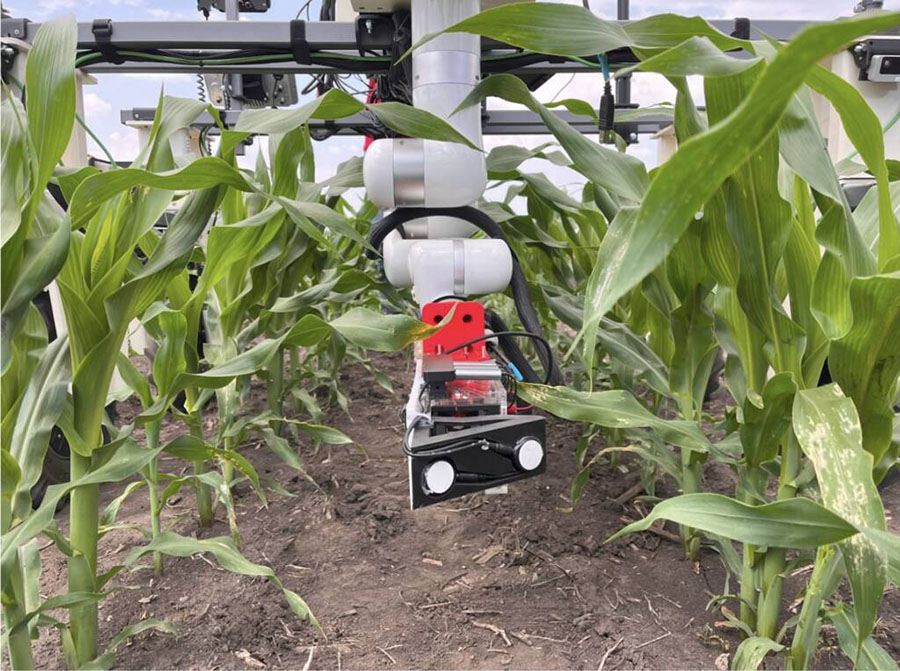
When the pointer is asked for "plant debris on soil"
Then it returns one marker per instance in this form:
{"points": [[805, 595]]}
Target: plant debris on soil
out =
{"points": [[512, 580]]}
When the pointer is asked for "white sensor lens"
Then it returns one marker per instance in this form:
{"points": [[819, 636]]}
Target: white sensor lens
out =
{"points": [[529, 454], [438, 477]]}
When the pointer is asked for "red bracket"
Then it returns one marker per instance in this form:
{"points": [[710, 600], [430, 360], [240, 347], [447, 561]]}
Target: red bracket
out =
{"points": [[467, 323]]}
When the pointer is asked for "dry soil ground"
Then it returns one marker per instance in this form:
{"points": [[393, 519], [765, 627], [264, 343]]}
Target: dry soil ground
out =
{"points": [[507, 581]]}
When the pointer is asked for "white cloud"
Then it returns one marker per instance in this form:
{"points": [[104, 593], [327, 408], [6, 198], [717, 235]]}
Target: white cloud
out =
{"points": [[122, 144], [161, 13], [43, 9], [160, 76], [95, 105]]}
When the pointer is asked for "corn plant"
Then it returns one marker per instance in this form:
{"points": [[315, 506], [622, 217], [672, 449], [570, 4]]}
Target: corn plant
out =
{"points": [[112, 267], [720, 247]]}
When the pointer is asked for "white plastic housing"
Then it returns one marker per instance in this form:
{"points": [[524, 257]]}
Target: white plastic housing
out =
{"points": [[529, 454], [396, 259], [438, 477], [440, 268], [427, 173]]}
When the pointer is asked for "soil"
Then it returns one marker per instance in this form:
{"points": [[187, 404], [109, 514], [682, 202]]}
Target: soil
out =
{"points": [[488, 581]]}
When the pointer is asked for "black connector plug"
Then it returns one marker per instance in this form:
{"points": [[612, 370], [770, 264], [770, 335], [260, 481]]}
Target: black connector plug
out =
{"points": [[606, 114]]}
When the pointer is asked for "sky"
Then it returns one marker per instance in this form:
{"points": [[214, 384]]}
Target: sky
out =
{"points": [[112, 93]]}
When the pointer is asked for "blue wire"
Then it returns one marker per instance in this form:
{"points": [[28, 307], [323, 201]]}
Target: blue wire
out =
{"points": [[515, 371], [605, 63]]}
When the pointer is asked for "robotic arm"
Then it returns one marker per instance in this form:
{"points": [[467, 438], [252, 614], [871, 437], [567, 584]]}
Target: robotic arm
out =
{"points": [[464, 428]]}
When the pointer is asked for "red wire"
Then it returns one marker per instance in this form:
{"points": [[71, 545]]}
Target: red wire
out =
{"points": [[370, 98]]}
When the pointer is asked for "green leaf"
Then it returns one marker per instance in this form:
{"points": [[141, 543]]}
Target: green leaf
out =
{"points": [[866, 361], [321, 432], [507, 158], [621, 174], [828, 430], [246, 363], [337, 104], [324, 216], [418, 123], [382, 333], [134, 379], [624, 346], [615, 409], [872, 656], [890, 546], [789, 523], [50, 86], [67, 600], [36, 261], [864, 130], [573, 31], [675, 195], [169, 361], [230, 244], [751, 651], [204, 173], [763, 428], [694, 56], [127, 460], [14, 158], [227, 556], [39, 410], [105, 661]]}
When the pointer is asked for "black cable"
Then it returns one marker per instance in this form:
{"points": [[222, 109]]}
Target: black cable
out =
{"points": [[517, 334], [438, 451], [527, 314], [510, 347]]}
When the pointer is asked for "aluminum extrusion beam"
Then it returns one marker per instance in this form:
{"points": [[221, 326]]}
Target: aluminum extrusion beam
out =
{"points": [[328, 35], [496, 122]]}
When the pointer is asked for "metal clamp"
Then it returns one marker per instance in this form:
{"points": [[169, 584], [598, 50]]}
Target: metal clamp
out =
{"points": [[103, 31]]}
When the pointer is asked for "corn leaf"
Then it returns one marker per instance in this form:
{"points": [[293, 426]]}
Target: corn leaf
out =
{"points": [[227, 556], [614, 409], [337, 104], [866, 362], [621, 174], [573, 31], [38, 412], [169, 360], [789, 523], [694, 56], [827, 427], [50, 83], [106, 660], [890, 546], [125, 461], [750, 653], [676, 195], [872, 657], [204, 173], [763, 428], [864, 130], [382, 333]]}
